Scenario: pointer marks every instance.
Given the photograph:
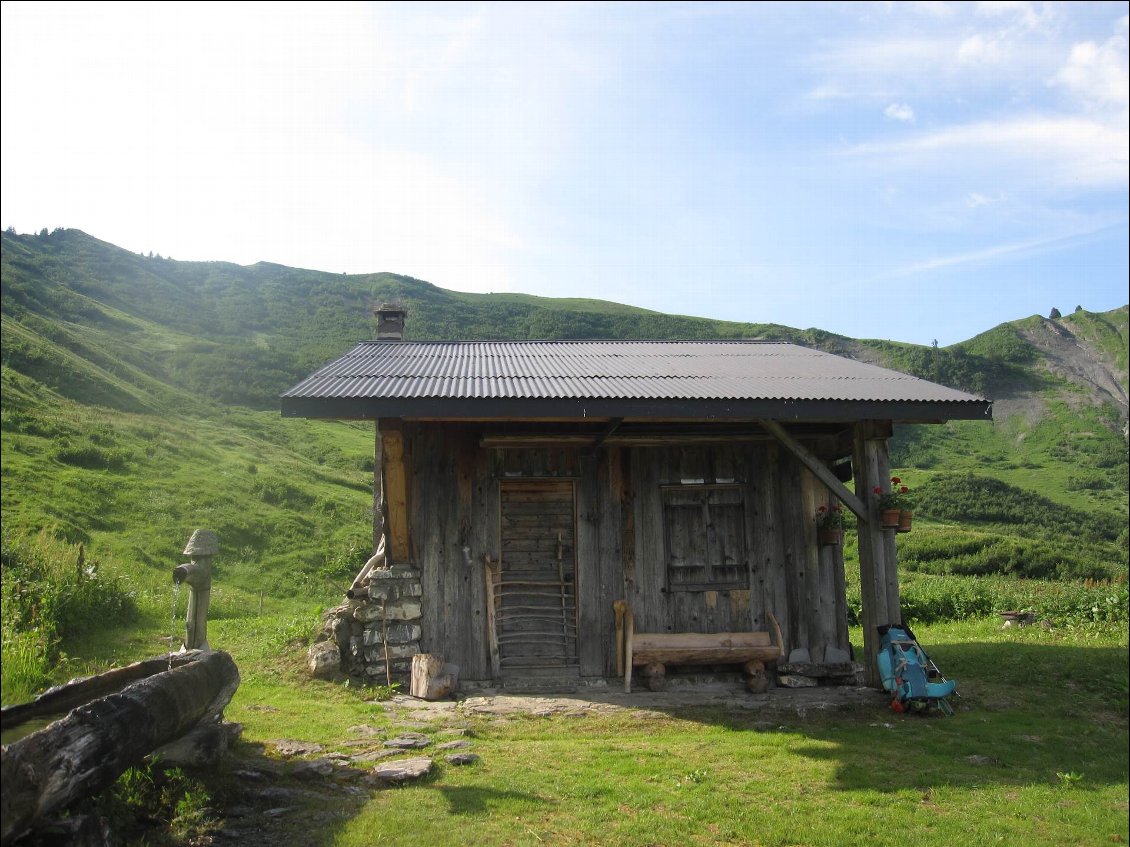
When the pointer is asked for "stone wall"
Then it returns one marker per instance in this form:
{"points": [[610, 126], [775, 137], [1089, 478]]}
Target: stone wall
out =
{"points": [[389, 610]]}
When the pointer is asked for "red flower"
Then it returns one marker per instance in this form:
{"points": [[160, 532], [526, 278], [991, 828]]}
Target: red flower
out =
{"points": [[878, 489], [904, 490], [895, 480]]}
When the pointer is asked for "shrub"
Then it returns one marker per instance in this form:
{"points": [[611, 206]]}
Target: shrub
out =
{"points": [[930, 599], [969, 498], [146, 795], [51, 593]]}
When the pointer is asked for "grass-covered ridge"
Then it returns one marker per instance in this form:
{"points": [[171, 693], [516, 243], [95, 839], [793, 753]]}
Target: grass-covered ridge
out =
{"points": [[140, 402]]}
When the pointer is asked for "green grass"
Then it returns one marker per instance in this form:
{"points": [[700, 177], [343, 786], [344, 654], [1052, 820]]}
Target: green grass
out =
{"points": [[1036, 754], [1034, 706]]}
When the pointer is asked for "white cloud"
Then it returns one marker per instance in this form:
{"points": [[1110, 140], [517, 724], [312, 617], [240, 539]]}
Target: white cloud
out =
{"points": [[1000, 251], [975, 199], [1068, 151], [935, 8], [899, 112], [1098, 74], [981, 49], [1023, 13]]}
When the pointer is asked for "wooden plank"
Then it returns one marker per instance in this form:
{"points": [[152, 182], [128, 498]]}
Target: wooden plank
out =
{"points": [[396, 490], [814, 611], [492, 625], [379, 516], [777, 597], [609, 570], [702, 656], [700, 640], [758, 516], [429, 519], [627, 520], [588, 502], [817, 467]]}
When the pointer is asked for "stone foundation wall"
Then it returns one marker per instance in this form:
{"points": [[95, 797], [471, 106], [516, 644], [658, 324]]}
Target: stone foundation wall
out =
{"points": [[360, 627]]}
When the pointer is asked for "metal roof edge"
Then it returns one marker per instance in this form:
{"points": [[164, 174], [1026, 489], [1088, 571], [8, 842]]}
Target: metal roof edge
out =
{"points": [[909, 411]]}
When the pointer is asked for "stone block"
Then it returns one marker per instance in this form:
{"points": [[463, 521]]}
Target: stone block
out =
{"points": [[800, 656], [383, 591], [404, 610], [403, 770], [796, 681], [836, 656], [323, 660], [395, 651], [398, 633], [400, 669], [396, 572]]}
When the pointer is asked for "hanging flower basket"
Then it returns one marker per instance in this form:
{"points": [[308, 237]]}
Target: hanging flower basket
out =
{"points": [[892, 505], [830, 525], [830, 536]]}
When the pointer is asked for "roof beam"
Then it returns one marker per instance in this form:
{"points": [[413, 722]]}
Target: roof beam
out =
{"points": [[823, 473]]}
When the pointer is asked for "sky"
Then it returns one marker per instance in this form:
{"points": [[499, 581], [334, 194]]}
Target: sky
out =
{"points": [[911, 171]]}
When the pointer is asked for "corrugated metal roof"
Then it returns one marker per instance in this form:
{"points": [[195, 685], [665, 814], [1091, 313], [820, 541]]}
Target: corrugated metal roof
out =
{"points": [[630, 370]]}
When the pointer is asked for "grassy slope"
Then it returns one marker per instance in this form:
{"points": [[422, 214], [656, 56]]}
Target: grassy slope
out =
{"points": [[119, 429], [115, 434]]}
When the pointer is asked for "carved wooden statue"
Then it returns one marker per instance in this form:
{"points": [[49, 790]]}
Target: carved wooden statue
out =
{"points": [[197, 572]]}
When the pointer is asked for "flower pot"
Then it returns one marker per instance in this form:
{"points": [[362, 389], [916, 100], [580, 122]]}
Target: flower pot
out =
{"points": [[889, 518], [830, 535], [905, 518]]}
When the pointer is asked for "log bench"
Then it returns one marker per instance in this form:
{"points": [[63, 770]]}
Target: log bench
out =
{"points": [[653, 651]]}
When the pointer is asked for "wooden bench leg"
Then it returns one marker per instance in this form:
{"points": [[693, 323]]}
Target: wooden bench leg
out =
{"points": [[656, 674], [756, 680]]}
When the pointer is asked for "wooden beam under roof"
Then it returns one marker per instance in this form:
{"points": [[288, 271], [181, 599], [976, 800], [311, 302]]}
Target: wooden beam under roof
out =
{"points": [[823, 473]]}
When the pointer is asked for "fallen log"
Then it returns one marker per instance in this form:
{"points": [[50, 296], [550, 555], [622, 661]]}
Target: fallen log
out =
{"points": [[84, 752]]}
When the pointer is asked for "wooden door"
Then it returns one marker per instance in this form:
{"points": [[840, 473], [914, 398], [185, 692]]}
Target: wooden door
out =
{"points": [[536, 594]]}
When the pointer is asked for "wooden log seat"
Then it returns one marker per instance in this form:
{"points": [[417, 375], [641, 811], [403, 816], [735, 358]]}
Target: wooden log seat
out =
{"points": [[653, 651]]}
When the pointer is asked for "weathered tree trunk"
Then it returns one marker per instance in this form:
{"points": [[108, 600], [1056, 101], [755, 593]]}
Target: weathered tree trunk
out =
{"points": [[84, 752]]}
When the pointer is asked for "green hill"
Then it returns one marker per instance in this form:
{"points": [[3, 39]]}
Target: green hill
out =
{"points": [[140, 401]]}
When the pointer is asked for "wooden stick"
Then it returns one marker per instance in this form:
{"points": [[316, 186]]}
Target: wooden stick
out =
{"points": [[777, 630], [618, 607], [630, 621], [492, 627], [376, 560], [384, 626]]}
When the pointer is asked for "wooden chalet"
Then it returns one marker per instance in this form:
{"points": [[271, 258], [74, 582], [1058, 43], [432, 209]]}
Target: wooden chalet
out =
{"points": [[534, 483]]}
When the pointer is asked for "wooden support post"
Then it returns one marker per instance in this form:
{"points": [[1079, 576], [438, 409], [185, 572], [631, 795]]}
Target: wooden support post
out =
{"points": [[378, 487], [395, 490], [878, 565]]}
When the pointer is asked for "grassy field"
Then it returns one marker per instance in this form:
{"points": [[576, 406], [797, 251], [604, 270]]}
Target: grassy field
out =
{"points": [[140, 403], [1036, 754]]}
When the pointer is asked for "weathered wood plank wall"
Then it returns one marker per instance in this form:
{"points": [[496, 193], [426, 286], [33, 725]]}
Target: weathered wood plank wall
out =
{"points": [[620, 540]]}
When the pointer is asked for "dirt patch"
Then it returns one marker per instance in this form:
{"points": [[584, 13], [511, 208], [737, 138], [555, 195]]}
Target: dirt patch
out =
{"points": [[1075, 360]]}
